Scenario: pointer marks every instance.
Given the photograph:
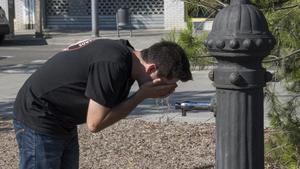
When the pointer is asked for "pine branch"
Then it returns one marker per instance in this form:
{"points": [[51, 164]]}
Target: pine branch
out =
{"points": [[276, 148], [287, 7], [196, 4], [223, 4], [284, 57], [205, 5]]}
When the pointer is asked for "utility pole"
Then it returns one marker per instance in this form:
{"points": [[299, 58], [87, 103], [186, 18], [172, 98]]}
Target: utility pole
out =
{"points": [[94, 7], [239, 40]]}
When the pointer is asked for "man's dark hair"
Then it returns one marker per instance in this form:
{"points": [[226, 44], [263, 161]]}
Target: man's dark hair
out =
{"points": [[170, 59]]}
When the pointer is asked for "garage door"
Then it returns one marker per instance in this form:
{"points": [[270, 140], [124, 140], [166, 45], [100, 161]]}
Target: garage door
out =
{"points": [[76, 14]]}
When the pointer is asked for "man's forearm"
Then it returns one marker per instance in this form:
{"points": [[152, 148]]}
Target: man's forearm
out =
{"points": [[120, 111]]}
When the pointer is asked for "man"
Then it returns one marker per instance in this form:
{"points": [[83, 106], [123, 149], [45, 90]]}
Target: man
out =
{"points": [[89, 82]]}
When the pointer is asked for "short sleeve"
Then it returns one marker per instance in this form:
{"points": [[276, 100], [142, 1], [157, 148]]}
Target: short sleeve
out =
{"points": [[105, 83], [126, 43]]}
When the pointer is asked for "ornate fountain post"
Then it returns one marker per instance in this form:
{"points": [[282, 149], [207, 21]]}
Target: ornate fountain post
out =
{"points": [[239, 40]]}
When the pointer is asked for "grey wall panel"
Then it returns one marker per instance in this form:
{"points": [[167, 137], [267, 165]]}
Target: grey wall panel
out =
{"points": [[77, 13]]}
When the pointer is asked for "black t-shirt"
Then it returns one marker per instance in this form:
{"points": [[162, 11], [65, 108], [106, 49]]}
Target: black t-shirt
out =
{"points": [[55, 98]]}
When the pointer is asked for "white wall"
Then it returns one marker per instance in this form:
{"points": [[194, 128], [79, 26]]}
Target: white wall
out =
{"points": [[19, 13], [174, 14], [4, 5]]}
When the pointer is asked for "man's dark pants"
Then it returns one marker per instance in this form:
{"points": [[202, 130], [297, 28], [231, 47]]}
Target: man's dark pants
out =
{"points": [[42, 151]]}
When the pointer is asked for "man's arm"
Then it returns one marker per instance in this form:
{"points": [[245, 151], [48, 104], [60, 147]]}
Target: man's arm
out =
{"points": [[100, 117]]}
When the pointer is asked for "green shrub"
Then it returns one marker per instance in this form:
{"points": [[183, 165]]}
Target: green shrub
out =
{"points": [[283, 146], [193, 45]]}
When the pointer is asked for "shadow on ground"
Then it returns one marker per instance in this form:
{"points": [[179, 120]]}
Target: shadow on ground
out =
{"points": [[6, 109], [6, 116], [205, 167], [157, 106], [20, 68], [24, 40], [149, 106]]}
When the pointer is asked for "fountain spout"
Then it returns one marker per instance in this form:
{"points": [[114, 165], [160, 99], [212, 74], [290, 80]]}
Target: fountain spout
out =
{"points": [[185, 106]]}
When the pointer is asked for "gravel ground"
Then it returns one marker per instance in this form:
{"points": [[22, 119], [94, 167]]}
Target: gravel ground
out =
{"points": [[133, 144]]}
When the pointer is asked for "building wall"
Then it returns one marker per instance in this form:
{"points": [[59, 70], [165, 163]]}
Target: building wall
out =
{"points": [[4, 5], [19, 15], [174, 14]]}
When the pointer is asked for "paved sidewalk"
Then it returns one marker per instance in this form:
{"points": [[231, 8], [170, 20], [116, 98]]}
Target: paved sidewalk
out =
{"points": [[151, 109], [140, 38], [199, 89]]}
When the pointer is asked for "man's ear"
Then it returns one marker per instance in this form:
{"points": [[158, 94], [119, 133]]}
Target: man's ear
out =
{"points": [[151, 68]]}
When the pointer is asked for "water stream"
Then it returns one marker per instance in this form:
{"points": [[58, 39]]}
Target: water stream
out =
{"points": [[166, 108]]}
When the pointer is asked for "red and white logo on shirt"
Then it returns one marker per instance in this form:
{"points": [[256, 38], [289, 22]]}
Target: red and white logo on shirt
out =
{"points": [[78, 45]]}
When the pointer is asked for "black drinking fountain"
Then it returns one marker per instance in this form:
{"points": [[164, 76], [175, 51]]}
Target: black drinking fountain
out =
{"points": [[239, 41]]}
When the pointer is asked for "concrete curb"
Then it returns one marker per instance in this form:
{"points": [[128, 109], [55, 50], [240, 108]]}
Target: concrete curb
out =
{"points": [[140, 38]]}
